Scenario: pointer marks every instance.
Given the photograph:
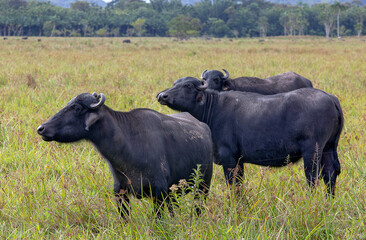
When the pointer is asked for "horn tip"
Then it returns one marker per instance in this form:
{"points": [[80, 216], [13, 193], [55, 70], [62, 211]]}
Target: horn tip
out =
{"points": [[204, 71], [226, 73]]}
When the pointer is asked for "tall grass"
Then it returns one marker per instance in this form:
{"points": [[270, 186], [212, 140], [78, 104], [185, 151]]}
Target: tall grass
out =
{"points": [[57, 191]]}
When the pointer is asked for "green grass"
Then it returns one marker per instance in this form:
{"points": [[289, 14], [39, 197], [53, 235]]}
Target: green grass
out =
{"points": [[57, 191]]}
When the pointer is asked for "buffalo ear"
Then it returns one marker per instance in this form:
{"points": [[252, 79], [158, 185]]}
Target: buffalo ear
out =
{"points": [[200, 98], [90, 120], [226, 85]]}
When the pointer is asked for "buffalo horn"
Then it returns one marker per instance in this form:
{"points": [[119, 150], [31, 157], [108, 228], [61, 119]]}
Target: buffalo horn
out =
{"points": [[226, 74], [203, 86], [203, 73], [101, 101]]}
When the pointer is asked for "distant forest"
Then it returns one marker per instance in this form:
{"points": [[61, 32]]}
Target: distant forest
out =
{"points": [[209, 18], [311, 2]]}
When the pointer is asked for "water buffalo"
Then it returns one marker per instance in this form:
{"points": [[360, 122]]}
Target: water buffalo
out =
{"points": [[268, 130], [276, 84], [147, 151]]}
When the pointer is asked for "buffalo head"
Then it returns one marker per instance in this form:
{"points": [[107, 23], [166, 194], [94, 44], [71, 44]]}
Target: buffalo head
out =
{"points": [[184, 95], [215, 79], [72, 123]]}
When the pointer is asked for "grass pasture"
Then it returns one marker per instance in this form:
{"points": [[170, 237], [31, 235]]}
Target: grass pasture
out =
{"points": [[64, 191]]}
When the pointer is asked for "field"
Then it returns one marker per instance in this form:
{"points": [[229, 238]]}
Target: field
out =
{"points": [[64, 191]]}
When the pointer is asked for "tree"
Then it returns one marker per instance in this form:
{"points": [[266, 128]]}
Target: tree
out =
{"points": [[273, 14], [218, 28], [160, 5], [80, 5], [326, 16], [102, 32], [284, 21], [263, 26], [139, 26], [360, 14], [128, 4], [221, 9], [47, 28], [184, 27], [219, 18], [338, 8], [96, 19], [292, 21], [16, 4], [156, 25], [203, 10], [85, 26], [244, 21]]}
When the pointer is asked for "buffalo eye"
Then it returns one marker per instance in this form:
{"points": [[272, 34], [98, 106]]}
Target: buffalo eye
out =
{"points": [[216, 80], [77, 108], [189, 86]]}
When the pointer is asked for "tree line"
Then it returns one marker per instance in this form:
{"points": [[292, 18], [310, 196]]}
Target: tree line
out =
{"points": [[210, 18]]}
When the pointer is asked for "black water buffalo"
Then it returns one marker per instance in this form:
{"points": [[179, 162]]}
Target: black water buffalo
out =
{"points": [[276, 84], [268, 130], [147, 151]]}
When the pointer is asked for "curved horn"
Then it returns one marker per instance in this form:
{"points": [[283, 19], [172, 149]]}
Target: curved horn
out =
{"points": [[100, 103], [203, 73], [203, 86], [226, 74]]}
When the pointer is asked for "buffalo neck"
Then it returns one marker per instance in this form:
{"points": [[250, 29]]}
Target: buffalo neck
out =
{"points": [[207, 109], [109, 131]]}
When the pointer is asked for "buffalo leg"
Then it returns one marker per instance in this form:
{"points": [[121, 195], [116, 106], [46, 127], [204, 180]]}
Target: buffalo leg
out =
{"points": [[330, 170], [197, 198], [240, 172], [312, 165], [158, 201], [171, 202], [123, 203], [228, 164], [202, 194], [229, 172], [157, 206]]}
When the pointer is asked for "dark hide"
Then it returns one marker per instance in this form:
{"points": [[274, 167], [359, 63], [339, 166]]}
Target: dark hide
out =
{"points": [[147, 151], [277, 84], [268, 130]]}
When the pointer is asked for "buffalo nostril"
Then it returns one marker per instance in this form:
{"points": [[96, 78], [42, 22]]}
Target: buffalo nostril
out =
{"points": [[40, 129], [164, 96]]}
